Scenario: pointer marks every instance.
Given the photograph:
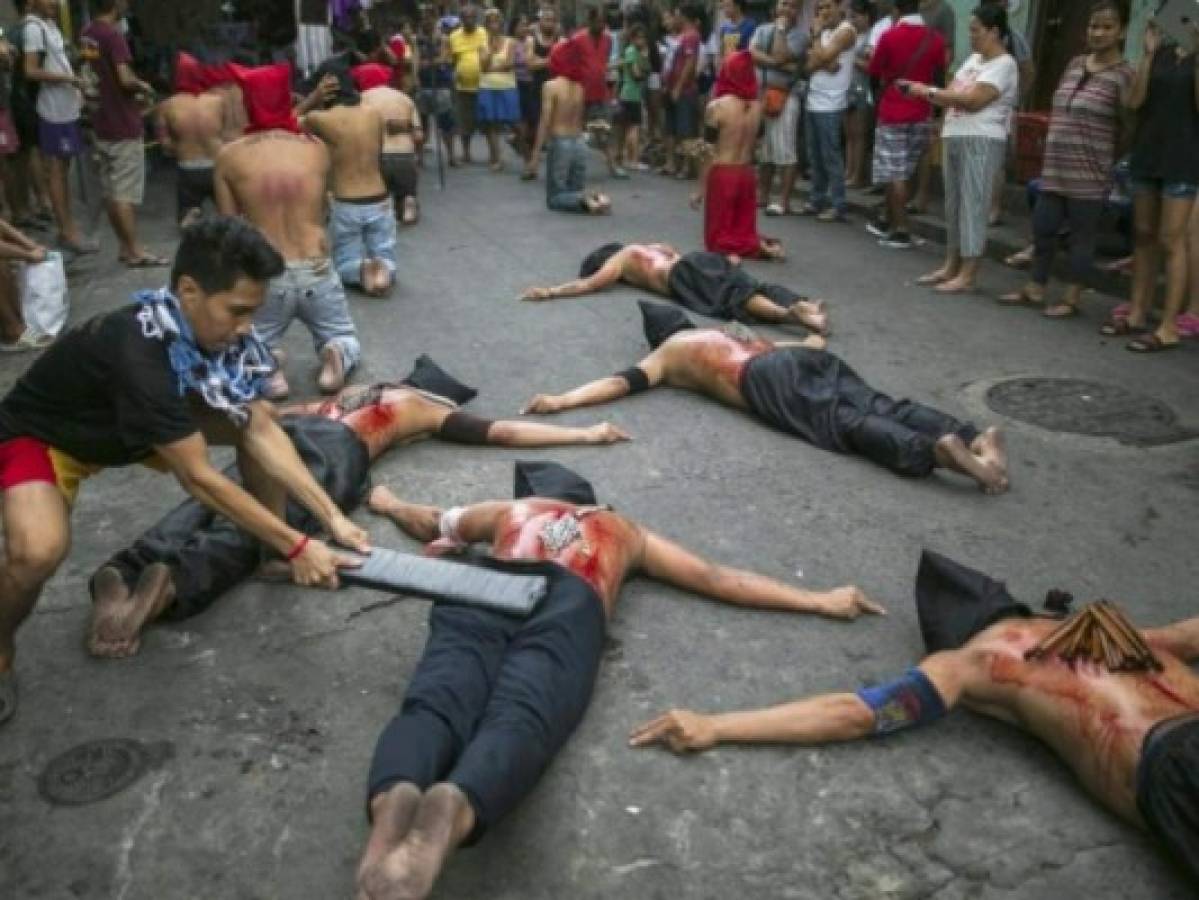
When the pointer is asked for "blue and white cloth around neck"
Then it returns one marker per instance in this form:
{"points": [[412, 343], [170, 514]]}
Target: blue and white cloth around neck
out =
{"points": [[227, 381]]}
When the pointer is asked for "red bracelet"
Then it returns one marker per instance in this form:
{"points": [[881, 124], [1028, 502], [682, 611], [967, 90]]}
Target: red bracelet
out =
{"points": [[298, 548]]}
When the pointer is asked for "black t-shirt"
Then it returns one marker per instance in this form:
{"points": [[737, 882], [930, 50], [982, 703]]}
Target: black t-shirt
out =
{"points": [[104, 393], [1167, 141]]}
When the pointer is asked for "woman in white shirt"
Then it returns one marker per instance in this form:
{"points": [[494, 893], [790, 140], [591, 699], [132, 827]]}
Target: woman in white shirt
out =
{"points": [[830, 62], [979, 107]]}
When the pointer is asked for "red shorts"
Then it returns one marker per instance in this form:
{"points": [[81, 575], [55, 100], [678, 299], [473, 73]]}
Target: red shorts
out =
{"points": [[25, 459]]}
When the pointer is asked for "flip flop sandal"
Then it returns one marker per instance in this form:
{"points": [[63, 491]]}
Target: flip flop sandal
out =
{"points": [[149, 261], [931, 279], [1117, 326], [8, 695], [1150, 343], [1187, 325], [1060, 311], [1019, 298]]}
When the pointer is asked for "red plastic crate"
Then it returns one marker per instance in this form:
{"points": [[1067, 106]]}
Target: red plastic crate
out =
{"points": [[1032, 128]]}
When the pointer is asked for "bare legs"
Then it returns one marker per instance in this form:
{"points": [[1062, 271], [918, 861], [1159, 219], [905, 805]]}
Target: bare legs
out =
{"points": [[1161, 237], [36, 538], [411, 839], [985, 460], [421, 523], [120, 215], [12, 324], [119, 616], [808, 313], [60, 203], [492, 132]]}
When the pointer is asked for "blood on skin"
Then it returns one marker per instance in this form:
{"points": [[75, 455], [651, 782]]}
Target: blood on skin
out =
{"points": [[723, 354]]}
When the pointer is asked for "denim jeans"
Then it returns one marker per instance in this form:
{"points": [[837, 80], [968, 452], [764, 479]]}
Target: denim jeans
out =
{"points": [[362, 231], [822, 132], [310, 291], [565, 171]]}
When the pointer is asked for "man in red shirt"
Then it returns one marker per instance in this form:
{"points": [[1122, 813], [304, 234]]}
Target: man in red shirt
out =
{"points": [[119, 129], [909, 50], [595, 47], [682, 88]]}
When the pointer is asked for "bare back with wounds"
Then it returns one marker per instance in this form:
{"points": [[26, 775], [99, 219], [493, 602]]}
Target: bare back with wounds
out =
{"points": [[400, 118], [1095, 720], [277, 180], [606, 548], [193, 126], [648, 266], [710, 360], [355, 138], [562, 107], [738, 121], [398, 416]]}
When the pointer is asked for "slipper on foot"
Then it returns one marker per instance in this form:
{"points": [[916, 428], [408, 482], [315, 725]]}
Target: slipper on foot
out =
{"points": [[1187, 325], [1060, 311], [1019, 298], [8, 695], [1118, 326], [1150, 343], [147, 261]]}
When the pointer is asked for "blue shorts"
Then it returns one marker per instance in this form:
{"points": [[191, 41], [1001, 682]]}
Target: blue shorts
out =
{"points": [[498, 106], [682, 116], [60, 140], [1170, 190]]}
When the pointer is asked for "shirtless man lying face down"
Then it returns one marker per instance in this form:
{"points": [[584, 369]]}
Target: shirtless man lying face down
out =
{"points": [[1119, 705], [807, 392], [495, 697], [191, 556], [705, 283]]}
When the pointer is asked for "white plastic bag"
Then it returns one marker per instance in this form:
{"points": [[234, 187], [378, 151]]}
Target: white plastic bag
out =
{"points": [[44, 295]]}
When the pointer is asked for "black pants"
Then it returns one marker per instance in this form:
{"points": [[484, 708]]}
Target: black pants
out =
{"points": [[494, 698], [708, 284], [1167, 785], [1050, 214], [400, 175], [192, 188], [817, 396]]}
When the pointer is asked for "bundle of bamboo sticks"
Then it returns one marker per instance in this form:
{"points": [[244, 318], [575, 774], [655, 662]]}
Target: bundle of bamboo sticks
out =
{"points": [[1098, 632]]}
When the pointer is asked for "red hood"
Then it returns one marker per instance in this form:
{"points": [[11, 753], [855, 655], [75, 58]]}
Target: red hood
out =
{"points": [[566, 61], [371, 75], [190, 76], [737, 77], [266, 92]]}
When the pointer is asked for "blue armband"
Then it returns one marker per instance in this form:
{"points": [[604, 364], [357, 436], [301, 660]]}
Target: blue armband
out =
{"points": [[908, 701]]}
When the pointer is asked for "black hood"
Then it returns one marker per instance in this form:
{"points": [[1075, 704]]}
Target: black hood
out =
{"points": [[551, 480], [661, 321], [595, 260], [426, 375]]}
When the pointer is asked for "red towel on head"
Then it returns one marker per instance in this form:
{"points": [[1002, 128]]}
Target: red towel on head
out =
{"points": [[737, 77], [190, 76], [220, 74], [371, 75], [266, 92], [566, 61]]}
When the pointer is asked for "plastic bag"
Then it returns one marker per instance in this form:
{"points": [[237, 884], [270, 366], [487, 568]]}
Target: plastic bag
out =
{"points": [[44, 295]]}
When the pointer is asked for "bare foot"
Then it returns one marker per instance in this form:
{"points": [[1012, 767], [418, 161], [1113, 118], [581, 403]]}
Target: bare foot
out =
{"points": [[409, 870], [991, 448], [423, 523], [942, 274], [376, 277], [958, 285], [392, 813], [332, 377], [952, 453], [118, 616], [811, 314]]}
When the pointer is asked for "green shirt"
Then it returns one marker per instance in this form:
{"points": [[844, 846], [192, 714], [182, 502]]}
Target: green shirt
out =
{"points": [[633, 71]]}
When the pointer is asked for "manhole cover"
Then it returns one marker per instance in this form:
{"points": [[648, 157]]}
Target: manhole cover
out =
{"points": [[1085, 407], [96, 770]]}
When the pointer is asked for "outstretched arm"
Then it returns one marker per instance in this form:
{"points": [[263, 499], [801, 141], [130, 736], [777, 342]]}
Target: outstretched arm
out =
{"points": [[602, 390], [443, 530], [917, 698], [669, 562], [514, 433], [609, 273]]}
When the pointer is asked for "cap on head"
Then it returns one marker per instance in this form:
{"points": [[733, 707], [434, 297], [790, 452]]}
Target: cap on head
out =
{"points": [[660, 321], [595, 260], [553, 481]]}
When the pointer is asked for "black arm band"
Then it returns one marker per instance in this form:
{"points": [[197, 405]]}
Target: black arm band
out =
{"points": [[463, 428], [711, 134], [637, 380]]}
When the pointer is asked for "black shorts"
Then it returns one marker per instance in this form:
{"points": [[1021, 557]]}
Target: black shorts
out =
{"points": [[1168, 788], [682, 116], [400, 175], [630, 112], [192, 188]]}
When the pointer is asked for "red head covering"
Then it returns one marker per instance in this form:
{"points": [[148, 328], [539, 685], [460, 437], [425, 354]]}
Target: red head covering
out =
{"points": [[266, 92], [566, 61], [190, 76], [737, 77], [220, 74], [371, 75]]}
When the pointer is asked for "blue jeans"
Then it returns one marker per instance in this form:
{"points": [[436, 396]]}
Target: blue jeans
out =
{"points": [[565, 171], [310, 291], [822, 135], [362, 231]]}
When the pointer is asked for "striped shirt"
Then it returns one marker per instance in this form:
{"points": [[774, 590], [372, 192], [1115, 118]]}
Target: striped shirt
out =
{"points": [[1081, 147]]}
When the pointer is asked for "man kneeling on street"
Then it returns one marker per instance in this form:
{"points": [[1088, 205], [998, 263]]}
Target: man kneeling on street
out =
{"points": [[494, 697], [155, 382], [799, 389]]}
